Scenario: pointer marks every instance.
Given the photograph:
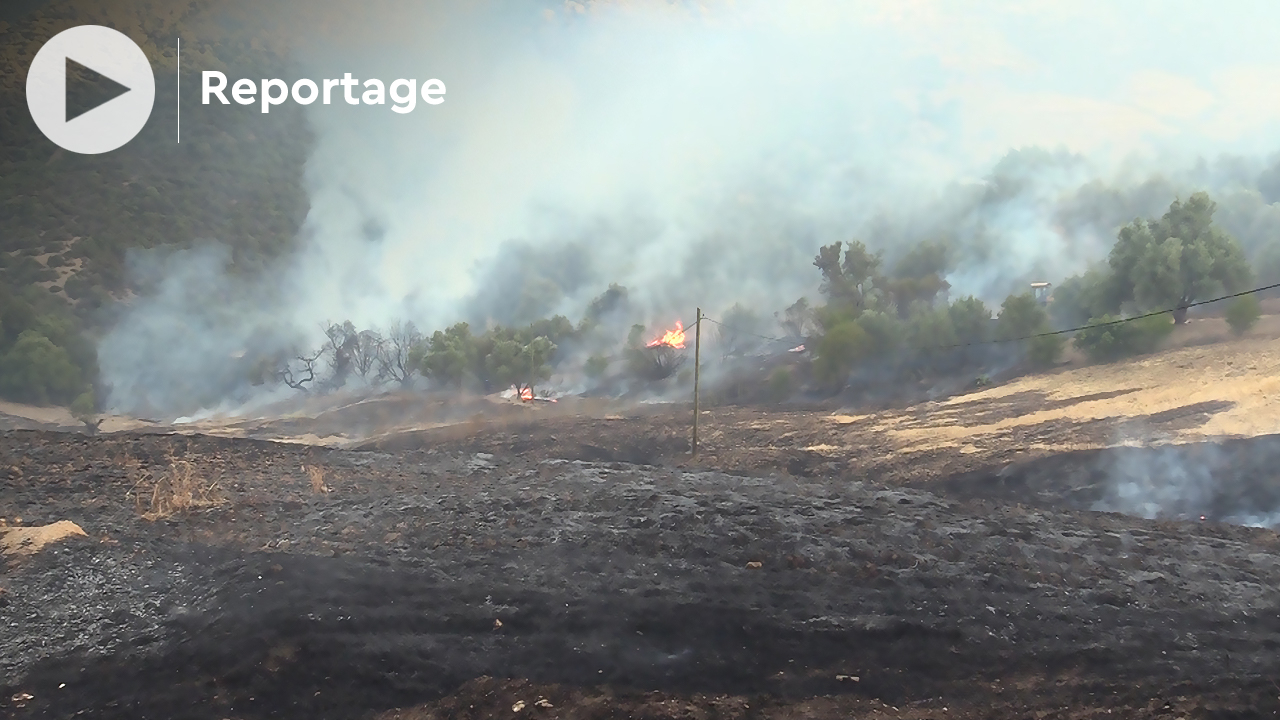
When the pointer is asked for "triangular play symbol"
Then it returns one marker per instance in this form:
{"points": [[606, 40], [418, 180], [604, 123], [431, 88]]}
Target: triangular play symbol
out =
{"points": [[89, 90]]}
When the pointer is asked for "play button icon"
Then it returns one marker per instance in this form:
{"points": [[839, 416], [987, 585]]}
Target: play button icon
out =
{"points": [[87, 89], [90, 89]]}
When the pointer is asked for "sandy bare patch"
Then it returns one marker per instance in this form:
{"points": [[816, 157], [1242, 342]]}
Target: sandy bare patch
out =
{"points": [[31, 540]]}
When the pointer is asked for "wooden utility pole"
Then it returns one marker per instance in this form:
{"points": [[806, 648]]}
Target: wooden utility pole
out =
{"points": [[697, 358]]}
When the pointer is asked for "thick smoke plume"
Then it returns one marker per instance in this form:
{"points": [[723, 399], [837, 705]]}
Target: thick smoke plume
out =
{"points": [[700, 153]]}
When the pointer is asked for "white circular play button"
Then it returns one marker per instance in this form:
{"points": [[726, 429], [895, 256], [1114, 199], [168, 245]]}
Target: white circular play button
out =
{"points": [[114, 94]]}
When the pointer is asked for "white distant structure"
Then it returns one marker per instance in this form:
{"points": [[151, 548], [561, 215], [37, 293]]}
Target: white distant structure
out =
{"points": [[1040, 290]]}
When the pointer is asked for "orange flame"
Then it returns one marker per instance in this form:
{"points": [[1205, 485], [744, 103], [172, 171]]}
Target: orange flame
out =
{"points": [[526, 393], [672, 338]]}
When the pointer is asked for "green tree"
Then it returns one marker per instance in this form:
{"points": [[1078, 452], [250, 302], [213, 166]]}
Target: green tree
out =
{"points": [[83, 407], [847, 273], [838, 352], [918, 277], [512, 362], [1178, 259], [930, 334], [1243, 313], [834, 314], [611, 302], [596, 366], [1020, 316], [970, 319], [37, 371], [1091, 294], [450, 356], [557, 329], [1024, 320], [884, 333]]}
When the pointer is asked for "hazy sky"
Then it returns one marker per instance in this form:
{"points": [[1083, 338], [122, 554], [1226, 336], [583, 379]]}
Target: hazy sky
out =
{"points": [[699, 153], [705, 117]]}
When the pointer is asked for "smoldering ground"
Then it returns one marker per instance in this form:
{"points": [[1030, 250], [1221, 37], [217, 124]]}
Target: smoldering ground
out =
{"points": [[700, 153], [420, 571]]}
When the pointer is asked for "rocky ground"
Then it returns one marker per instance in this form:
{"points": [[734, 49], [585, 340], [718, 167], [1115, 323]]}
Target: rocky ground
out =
{"points": [[588, 568]]}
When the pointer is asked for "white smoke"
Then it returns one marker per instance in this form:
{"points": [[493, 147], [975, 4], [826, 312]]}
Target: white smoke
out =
{"points": [[1221, 483], [700, 152]]}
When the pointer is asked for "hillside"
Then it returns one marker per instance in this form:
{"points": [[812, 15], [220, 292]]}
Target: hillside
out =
{"points": [[72, 223]]}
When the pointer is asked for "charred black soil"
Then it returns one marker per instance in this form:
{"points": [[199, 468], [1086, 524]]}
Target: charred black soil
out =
{"points": [[1234, 481], [343, 584]]}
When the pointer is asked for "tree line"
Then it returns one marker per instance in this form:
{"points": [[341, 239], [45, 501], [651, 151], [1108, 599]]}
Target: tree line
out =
{"points": [[876, 321], [898, 317]]}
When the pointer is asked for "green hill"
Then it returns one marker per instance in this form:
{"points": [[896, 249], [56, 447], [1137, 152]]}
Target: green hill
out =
{"points": [[69, 222]]}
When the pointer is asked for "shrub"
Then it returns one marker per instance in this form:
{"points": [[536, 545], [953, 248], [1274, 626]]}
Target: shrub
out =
{"points": [[834, 314], [884, 333], [781, 384], [1021, 317], [1104, 343], [596, 366], [1043, 351], [658, 362], [37, 371], [971, 320], [1093, 294], [84, 406], [838, 351], [930, 334], [1243, 313]]}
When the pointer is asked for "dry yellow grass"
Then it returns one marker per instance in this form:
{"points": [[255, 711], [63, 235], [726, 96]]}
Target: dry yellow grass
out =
{"points": [[1245, 373], [316, 474], [1231, 385], [178, 489]]}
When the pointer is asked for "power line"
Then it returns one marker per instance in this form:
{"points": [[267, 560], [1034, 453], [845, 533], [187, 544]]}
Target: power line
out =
{"points": [[747, 332], [1119, 321], [1037, 335]]}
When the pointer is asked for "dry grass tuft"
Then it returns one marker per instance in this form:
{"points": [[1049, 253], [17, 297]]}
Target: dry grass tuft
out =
{"points": [[316, 473], [177, 490]]}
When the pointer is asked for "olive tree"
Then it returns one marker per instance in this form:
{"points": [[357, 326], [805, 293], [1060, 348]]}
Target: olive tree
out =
{"points": [[1178, 259]]}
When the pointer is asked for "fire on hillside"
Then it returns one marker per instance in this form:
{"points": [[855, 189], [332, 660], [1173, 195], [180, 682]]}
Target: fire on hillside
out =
{"points": [[671, 338]]}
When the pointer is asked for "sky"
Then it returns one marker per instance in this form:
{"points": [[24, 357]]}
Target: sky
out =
{"points": [[566, 117]]}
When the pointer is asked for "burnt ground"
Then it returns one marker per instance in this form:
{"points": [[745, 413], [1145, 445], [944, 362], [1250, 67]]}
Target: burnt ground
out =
{"points": [[587, 563], [1233, 480]]}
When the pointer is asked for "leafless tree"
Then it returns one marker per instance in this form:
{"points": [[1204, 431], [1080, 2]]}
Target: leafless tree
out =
{"points": [[395, 358], [798, 320], [301, 370], [339, 349], [655, 362], [365, 351], [350, 351]]}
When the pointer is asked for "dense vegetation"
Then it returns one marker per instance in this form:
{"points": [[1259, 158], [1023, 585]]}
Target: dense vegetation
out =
{"points": [[70, 222], [1164, 263]]}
